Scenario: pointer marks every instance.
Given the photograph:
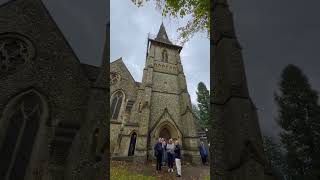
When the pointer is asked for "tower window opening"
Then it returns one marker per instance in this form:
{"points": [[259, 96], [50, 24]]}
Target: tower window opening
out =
{"points": [[164, 56]]}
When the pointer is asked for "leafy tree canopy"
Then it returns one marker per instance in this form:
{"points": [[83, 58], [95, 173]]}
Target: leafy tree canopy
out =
{"points": [[298, 116], [203, 98], [198, 10]]}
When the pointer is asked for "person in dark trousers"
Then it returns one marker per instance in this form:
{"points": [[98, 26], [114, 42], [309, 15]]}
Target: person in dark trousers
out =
{"points": [[158, 153], [164, 152], [177, 152], [203, 153], [170, 152]]}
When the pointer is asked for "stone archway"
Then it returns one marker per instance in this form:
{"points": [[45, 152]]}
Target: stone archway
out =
{"points": [[165, 133], [167, 130]]}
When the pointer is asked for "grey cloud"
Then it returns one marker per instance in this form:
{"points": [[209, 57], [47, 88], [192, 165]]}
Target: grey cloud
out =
{"points": [[83, 23], [274, 34]]}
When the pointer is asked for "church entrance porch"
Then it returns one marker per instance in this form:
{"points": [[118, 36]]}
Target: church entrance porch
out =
{"points": [[167, 131]]}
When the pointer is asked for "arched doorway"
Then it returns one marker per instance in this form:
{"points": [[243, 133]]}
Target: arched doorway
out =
{"points": [[166, 130], [132, 144], [165, 133]]}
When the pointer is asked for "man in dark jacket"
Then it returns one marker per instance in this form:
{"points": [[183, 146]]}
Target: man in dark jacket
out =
{"points": [[158, 149], [177, 152]]}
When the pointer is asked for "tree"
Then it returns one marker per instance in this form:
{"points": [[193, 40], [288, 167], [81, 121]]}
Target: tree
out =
{"points": [[275, 157], [298, 116], [197, 9], [196, 112], [203, 98]]}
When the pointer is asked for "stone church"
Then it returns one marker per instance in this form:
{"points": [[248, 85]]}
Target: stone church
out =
{"points": [[52, 107], [158, 106]]}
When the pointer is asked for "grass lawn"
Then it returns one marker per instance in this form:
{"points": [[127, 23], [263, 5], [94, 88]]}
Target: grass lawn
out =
{"points": [[123, 174], [207, 178], [130, 171], [120, 172]]}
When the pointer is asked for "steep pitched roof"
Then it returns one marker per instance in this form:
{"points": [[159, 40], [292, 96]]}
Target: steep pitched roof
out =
{"points": [[162, 38], [162, 35], [124, 65]]}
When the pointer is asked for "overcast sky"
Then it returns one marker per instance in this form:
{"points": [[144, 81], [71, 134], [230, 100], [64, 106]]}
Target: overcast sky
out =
{"points": [[273, 34], [83, 23], [130, 26]]}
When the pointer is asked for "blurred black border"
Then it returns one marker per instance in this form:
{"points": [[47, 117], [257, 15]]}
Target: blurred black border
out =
{"points": [[212, 23], [106, 55]]}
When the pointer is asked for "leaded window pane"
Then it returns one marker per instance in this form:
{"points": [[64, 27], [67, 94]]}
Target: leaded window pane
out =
{"points": [[26, 145], [113, 106], [21, 133], [116, 105], [117, 110], [9, 144]]}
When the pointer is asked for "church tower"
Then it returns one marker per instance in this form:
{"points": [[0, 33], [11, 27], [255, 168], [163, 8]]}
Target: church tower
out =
{"points": [[163, 102], [237, 151]]}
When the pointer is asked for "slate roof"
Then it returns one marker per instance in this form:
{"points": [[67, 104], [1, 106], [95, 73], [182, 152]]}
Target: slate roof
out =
{"points": [[163, 38], [162, 35]]}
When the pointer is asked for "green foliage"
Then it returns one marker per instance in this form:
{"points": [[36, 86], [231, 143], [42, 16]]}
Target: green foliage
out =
{"points": [[275, 157], [196, 112], [206, 178], [198, 10], [203, 98], [299, 115]]}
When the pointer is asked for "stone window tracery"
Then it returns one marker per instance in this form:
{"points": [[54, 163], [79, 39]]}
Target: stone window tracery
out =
{"points": [[116, 104], [15, 52], [23, 123], [114, 78]]}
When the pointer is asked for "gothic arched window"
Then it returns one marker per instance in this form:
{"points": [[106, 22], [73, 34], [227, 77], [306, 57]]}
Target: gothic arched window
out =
{"points": [[164, 56], [22, 120], [116, 104]]}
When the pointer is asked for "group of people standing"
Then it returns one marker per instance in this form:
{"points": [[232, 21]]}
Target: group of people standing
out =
{"points": [[168, 153]]}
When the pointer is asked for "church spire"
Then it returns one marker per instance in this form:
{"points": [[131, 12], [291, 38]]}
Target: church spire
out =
{"points": [[237, 139], [162, 35]]}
